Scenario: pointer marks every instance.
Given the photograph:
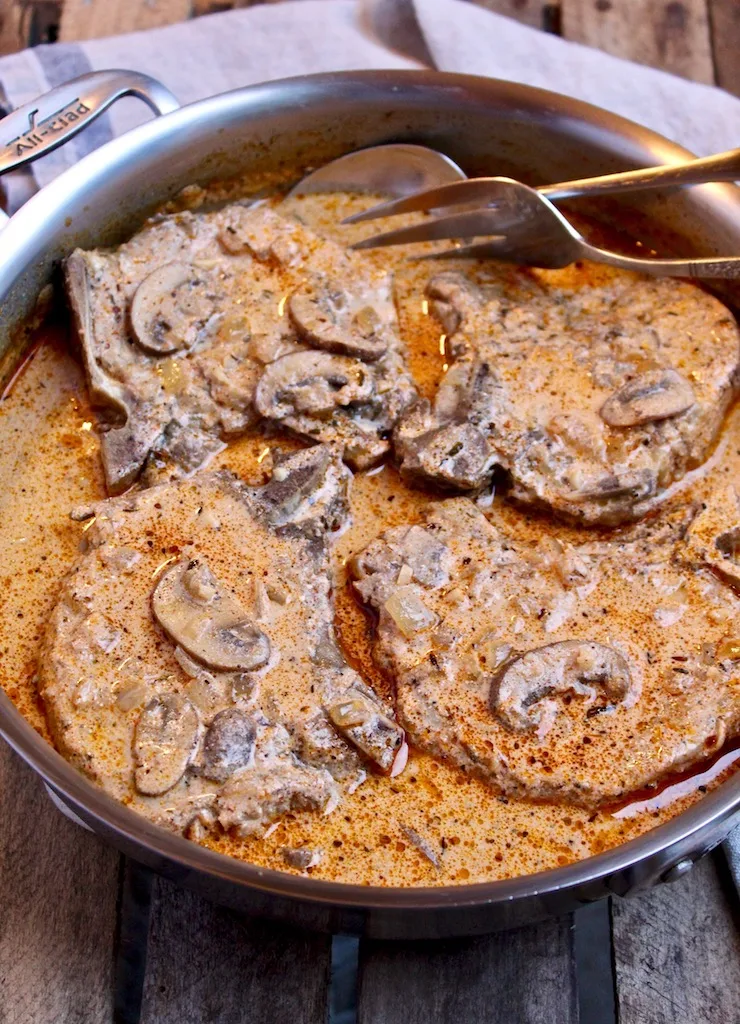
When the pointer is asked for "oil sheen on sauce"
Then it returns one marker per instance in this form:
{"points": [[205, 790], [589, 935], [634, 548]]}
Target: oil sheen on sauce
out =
{"points": [[49, 464]]}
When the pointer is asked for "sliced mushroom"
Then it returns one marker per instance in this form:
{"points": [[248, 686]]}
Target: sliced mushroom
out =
{"points": [[125, 450], [229, 744], [206, 621], [650, 396], [308, 492], [165, 738], [454, 299], [449, 445], [251, 799], [200, 824], [324, 315], [363, 723], [569, 666], [452, 455], [422, 845], [317, 743], [636, 485], [302, 857], [713, 537], [261, 232], [294, 478], [311, 384], [168, 310]]}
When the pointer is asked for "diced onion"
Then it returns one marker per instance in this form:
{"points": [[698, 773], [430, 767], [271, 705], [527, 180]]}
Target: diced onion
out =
{"points": [[400, 760], [131, 697], [349, 714], [409, 612], [729, 649], [405, 575]]}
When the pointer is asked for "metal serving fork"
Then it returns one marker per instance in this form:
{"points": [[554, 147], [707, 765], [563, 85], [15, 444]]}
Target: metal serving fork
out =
{"points": [[539, 235], [528, 228]]}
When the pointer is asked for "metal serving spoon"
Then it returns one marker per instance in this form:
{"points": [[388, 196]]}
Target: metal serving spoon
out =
{"points": [[396, 169]]}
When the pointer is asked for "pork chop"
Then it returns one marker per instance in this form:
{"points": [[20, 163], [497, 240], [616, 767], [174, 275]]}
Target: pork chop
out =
{"points": [[568, 673], [204, 322], [190, 666], [594, 388]]}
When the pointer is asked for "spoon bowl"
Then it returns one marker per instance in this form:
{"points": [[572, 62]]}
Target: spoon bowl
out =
{"points": [[395, 169]]}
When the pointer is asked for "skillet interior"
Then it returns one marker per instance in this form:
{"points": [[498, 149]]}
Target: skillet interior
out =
{"points": [[284, 127]]}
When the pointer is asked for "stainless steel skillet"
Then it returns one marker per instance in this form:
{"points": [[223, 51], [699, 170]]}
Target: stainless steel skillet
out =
{"points": [[283, 128]]}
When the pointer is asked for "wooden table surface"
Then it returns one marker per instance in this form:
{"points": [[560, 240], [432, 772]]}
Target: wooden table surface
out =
{"points": [[87, 937]]}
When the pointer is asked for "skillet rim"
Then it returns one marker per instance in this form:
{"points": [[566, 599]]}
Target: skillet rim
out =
{"points": [[677, 838]]}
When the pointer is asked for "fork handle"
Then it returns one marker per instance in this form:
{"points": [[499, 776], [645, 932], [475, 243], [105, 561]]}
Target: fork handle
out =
{"points": [[720, 167], [719, 267]]}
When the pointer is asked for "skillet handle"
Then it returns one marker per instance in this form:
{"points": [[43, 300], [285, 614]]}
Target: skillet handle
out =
{"points": [[47, 122]]}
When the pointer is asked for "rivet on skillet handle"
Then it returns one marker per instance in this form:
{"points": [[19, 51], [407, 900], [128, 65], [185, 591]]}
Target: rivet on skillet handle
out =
{"points": [[47, 122]]}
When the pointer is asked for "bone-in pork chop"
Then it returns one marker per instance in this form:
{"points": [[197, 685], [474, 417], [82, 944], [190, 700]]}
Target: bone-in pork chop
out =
{"points": [[593, 388], [190, 666], [204, 322], [573, 673]]}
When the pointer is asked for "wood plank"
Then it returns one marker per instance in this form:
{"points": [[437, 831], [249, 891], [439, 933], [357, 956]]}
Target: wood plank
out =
{"points": [[526, 976], [668, 34], [43, 24], [13, 26], [210, 7], [58, 894], [677, 951], [529, 12], [206, 963], [730, 850], [724, 16], [92, 19]]}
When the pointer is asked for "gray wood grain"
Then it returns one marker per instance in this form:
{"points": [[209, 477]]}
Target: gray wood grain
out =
{"points": [[520, 977], [730, 851], [206, 963], [677, 952], [58, 893], [724, 16], [529, 12], [668, 34]]}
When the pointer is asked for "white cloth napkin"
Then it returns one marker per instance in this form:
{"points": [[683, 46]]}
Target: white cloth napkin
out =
{"points": [[460, 36], [223, 51]]}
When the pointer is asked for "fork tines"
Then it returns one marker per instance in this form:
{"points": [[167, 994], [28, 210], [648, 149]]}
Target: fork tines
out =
{"points": [[473, 190], [460, 225]]}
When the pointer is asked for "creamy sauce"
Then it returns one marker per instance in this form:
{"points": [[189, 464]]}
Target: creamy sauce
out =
{"points": [[49, 463]]}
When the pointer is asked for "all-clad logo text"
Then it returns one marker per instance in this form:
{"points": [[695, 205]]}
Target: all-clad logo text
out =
{"points": [[52, 125]]}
